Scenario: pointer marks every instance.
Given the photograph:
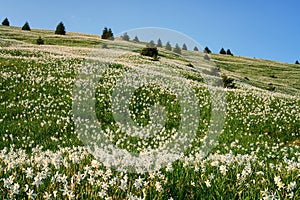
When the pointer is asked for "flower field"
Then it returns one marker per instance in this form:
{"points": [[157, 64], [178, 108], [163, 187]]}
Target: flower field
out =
{"points": [[256, 155]]}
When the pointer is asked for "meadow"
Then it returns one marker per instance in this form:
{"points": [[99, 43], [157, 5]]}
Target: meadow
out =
{"points": [[42, 156]]}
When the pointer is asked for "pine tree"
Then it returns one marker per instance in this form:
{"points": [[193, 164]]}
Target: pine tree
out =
{"points": [[184, 47], [168, 46], [5, 22], [125, 37], [26, 27], [228, 52], [207, 50], [177, 49], [222, 51], [159, 43], [111, 35], [136, 39], [60, 29], [107, 34], [151, 44], [297, 62], [196, 48]]}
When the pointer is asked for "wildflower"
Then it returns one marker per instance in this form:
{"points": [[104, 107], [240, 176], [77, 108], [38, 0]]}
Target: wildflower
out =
{"points": [[278, 182], [223, 169], [31, 194], [158, 186], [207, 183], [37, 181], [47, 196], [138, 182], [29, 172], [291, 186], [102, 194]]}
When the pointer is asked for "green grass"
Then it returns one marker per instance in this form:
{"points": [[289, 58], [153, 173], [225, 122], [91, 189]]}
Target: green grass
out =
{"points": [[256, 156]]}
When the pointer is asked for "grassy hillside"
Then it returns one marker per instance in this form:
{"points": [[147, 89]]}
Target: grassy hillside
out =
{"points": [[254, 129]]}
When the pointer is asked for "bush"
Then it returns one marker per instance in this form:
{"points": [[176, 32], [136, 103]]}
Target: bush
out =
{"points": [[40, 41], [26, 27], [184, 47], [107, 34], [297, 62], [196, 48], [177, 49], [5, 22], [271, 87], [228, 82], [207, 50], [60, 29], [168, 46], [206, 57], [125, 37], [104, 46], [151, 52], [222, 51]]}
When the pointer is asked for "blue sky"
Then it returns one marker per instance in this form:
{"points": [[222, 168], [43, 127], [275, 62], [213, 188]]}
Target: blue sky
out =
{"points": [[266, 29]]}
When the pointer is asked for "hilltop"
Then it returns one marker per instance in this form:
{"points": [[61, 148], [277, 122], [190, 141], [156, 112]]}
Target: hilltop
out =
{"points": [[260, 73]]}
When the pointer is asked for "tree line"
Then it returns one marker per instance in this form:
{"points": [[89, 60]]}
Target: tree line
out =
{"points": [[108, 35]]}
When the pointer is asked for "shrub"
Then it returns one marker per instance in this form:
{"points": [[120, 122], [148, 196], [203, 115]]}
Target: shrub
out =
{"points": [[206, 57], [5, 22], [228, 82], [177, 49], [168, 46], [60, 29], [26, 27], [207, 50], [297, 62], [151, 52], [40, 41], [196, 48], [222, 51], [104, 46], [271, 87]]}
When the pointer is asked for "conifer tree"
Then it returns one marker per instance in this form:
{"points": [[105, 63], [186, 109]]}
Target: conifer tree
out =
{"points": [[60, 29], [5, 22], [159, 43], [228, 52], [222, 51], [168, 46], [107, 34], [151, 44], [125, 37], [177, 49], [184, 47], [207, 50], [136, 39], [26, 27], [196, 48]]}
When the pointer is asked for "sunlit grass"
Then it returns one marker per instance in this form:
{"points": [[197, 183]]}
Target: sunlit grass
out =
{"points": [[41, 157]]}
